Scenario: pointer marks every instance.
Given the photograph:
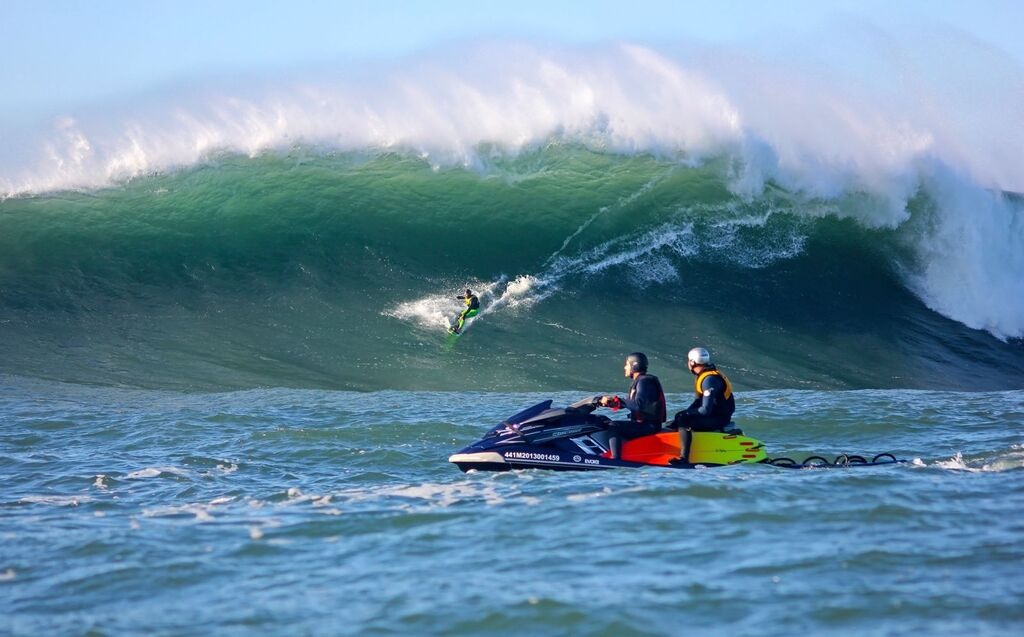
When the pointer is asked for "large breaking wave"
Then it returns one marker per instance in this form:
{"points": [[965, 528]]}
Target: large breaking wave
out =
{"points": [[921, 155]]}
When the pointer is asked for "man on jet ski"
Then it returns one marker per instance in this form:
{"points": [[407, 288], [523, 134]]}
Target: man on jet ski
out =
{"points": [[646, 404], [714, 405]]}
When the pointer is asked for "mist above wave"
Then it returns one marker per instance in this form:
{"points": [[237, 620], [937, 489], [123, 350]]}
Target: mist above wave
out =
{"points": [[860, 116]]}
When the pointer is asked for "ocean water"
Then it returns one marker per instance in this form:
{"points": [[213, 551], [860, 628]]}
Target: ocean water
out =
{"points": [[227, 396], [283, 511]]}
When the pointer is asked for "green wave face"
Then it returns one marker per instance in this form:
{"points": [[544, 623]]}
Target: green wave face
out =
{"points": [[313, 270]]}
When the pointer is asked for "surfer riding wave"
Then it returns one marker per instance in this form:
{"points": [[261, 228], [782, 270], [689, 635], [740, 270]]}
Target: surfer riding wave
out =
{"points": [[472, 309]]}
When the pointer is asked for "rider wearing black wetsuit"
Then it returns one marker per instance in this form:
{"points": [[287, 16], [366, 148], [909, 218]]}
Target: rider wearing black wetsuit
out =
{"points": [[645, 402], [714, 405], [472, 309]]}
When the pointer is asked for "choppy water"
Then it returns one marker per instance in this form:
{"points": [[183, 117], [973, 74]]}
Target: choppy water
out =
{"points": [[311, 512]]}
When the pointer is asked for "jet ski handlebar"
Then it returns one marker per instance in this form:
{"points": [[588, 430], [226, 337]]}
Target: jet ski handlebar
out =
{"points": [[586, 405]]}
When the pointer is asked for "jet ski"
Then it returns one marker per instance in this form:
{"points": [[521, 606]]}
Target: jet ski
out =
{"points": [[574, 438]]}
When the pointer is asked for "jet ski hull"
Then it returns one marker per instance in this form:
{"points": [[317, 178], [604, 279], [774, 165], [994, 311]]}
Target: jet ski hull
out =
{"points": [[531, 458], [575, 439]]}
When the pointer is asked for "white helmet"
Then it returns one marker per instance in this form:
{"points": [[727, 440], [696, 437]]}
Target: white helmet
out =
{"points": [[699, 356]]}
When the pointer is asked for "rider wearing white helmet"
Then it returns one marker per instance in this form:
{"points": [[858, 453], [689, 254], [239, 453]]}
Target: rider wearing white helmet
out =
{"points": [[714, 404]]}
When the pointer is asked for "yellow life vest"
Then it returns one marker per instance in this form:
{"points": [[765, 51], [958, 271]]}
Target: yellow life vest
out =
{"points": [[713, 372]]}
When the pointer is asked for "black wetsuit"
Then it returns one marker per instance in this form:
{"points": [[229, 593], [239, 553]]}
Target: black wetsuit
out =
{"points": [[472, 309], [713, 407], [472, 303], [647, 411]]}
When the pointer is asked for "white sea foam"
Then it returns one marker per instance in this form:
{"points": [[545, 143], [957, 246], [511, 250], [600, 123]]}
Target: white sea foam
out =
{"points": [[520, 290], [57, 500], [956, 462], [153, 472], [201, 512], [972, 263], [824, 134], [580, 497], [642, 253], [432, 311], [727, 241], [840, 118], [437, 311], [428, 494], [1010, 460], [445, 495], [1006, 461]]}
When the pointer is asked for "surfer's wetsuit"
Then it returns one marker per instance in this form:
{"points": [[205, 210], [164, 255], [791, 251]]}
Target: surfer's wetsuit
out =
{"points": [[647, 411], [472, 309], [714, 405]]}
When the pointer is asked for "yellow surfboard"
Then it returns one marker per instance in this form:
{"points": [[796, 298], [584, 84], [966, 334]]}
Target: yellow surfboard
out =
{"points": [[706, 447], [712, 447]]}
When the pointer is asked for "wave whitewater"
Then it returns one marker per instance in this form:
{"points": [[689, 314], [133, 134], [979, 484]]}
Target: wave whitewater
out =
{"points": [[338, 271], [312, 231]]}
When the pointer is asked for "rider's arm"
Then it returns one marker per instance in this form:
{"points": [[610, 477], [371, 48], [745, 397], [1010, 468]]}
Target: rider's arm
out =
{"points": [[646, 394], [711, 387]]}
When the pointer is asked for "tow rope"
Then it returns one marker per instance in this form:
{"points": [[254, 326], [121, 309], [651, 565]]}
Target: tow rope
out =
{"points": [[842, 460]]}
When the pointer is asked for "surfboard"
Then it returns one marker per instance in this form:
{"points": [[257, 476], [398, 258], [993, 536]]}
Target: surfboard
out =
{"points": [[706, 447], [449, 327]]}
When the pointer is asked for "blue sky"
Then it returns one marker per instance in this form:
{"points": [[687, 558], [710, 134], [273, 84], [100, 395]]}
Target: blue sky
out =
{"points": [[55, 54]]}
